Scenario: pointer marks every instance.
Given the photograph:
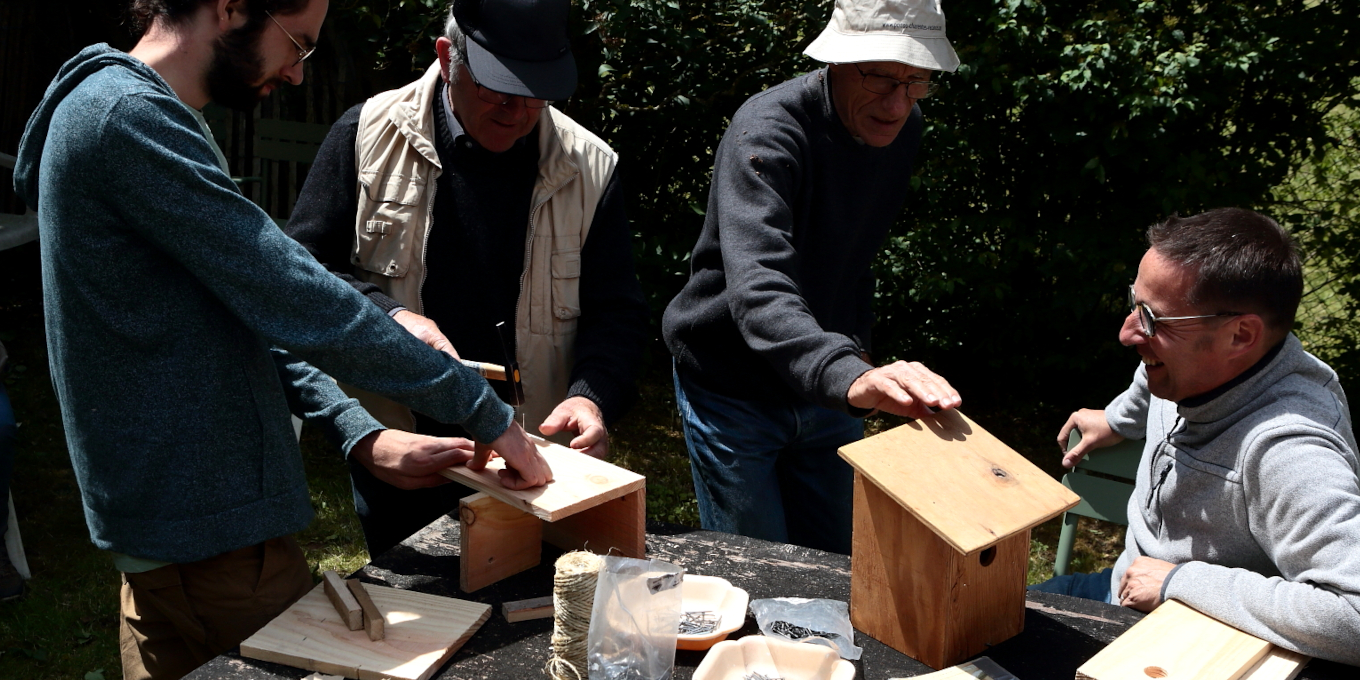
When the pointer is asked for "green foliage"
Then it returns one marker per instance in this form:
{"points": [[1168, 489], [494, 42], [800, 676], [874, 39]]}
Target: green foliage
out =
{"points": [[1070, 127]]}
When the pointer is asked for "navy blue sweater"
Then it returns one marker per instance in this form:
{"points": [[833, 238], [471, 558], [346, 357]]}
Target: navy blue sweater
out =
{"points": [[164, 290], [777, 307]]}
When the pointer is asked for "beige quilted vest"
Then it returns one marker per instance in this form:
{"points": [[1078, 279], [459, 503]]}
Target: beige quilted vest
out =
{"points": [[397, 166]]}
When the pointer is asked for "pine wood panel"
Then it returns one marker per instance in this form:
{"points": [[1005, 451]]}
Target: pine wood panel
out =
{"points": [[1279, 664], [615, 527], [912, 591], [496, 540], [423, 631], [966, 485], [579, 482], [1175, 641]]}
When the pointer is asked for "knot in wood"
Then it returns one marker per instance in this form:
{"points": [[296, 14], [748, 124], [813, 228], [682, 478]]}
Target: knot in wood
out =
{"points": [[598, 479], [1000, 473], [468, 515]]}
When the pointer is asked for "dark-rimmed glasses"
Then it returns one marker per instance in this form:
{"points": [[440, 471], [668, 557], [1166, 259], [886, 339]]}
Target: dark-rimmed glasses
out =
{"points": [[1149, 320], [916, 89], [303, 52]]}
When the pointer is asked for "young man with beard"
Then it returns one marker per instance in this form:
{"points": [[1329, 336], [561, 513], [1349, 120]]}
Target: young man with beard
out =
{"points": [[1246, 504], [165, 290]]}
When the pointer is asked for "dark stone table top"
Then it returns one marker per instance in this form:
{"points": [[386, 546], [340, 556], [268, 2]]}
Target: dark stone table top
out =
{"points": [[1060, 634]]}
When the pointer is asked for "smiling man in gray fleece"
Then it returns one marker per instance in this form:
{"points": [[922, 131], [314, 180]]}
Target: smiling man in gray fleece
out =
{"points": [[1247, 501]]}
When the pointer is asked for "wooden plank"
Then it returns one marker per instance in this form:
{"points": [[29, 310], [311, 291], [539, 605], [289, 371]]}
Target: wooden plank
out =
{"points": [[912, 591], [580, 482], [373, 617], [525, 610], [1175, 641], [496, 540], [422, 632], [616, 527], [345, 605], [1279, 664], [967, 486]]}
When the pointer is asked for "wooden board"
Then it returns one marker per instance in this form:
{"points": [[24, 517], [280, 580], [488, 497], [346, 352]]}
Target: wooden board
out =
{"points": [[615, 527], [375, 623], [526, 610], [1279, 664], [963, 483], [345, 605], [913, 592], [579, 482], [422, 632], [496, 540], [1175, 641]]}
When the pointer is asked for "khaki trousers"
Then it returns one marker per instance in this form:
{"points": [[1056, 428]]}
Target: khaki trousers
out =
{"points": [[180, 616]]}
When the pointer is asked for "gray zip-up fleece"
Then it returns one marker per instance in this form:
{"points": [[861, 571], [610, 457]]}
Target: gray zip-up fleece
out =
{"points": [[164, 290], [1255, 494]]}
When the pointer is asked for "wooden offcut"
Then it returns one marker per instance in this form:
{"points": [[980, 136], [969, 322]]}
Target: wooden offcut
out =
{"points": [[1176, 641], [373, 617], [496, 541], [940, 545], [422, 632], [580, 482], [526, 610], [345, 605]]}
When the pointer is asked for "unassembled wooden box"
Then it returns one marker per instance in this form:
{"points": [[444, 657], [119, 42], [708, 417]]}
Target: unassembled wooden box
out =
{"points": [[590, 505], [942, 515]]}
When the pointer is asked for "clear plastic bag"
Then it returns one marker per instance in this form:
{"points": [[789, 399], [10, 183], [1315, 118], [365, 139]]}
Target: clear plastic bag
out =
{"points": [[635, 620], [823, 622]]}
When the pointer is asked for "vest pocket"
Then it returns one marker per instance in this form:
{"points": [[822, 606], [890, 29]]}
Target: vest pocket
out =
{"points": [[385, 228], [566, 289]]}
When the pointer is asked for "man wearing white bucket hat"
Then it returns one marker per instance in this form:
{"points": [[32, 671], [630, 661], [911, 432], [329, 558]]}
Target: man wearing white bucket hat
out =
{"points": [[771, 333]]}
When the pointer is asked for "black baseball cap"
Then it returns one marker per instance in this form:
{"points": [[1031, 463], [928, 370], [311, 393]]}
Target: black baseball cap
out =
{"points": [[519, 47]]}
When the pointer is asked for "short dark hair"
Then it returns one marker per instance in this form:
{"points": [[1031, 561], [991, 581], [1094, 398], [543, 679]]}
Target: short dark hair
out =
{"points": [[1246, 263], [142, 13]]}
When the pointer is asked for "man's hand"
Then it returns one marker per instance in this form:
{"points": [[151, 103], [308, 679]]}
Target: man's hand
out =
{"points": [[1141, 586], [410, 461], [904, 389], [425, 330], [582, 416], [1095, 434], [524, 465]]}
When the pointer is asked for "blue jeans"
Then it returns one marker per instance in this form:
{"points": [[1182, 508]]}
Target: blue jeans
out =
{"points": [[1086, 586], [769, 471]]}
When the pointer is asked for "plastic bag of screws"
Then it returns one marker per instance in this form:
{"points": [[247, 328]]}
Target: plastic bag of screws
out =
{"points": [[699, 623], [815, 621], [759, 676]]}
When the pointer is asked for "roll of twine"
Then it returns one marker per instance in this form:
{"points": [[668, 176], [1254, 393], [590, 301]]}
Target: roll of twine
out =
{"points": [[573, 599]]}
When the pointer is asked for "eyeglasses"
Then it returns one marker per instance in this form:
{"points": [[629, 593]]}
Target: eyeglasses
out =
{"points": [[916, 89], [491, 96], [303, 52], [1150, 320]]}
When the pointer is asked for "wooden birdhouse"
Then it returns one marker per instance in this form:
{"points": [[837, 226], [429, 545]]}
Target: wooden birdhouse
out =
{"points": [[940, 551]]}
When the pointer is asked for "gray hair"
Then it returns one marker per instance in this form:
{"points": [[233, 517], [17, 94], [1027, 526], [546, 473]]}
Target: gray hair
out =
{"points": [[457, 55]]}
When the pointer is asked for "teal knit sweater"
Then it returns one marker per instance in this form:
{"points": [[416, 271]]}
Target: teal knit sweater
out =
{"points": [[164, 291]]}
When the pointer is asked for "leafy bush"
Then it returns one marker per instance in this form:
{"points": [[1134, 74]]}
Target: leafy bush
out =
{"points": [[1070, 127]]}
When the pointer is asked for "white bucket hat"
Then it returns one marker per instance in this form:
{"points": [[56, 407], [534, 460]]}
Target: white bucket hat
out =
{"points": [[906, 31]]}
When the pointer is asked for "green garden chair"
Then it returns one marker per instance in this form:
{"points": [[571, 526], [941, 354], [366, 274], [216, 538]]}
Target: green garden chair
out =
{"points": [[1104, 495]]}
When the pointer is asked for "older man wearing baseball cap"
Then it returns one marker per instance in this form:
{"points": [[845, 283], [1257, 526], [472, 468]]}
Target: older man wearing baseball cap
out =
{"points": [[771, 333], [464, 200]]}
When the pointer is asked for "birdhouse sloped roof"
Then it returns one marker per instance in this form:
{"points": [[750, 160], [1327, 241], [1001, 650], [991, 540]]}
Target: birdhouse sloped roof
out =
{"points": [[955, 477]]}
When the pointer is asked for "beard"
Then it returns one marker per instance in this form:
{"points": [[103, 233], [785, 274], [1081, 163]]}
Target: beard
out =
{"points": [[236, 66]]}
